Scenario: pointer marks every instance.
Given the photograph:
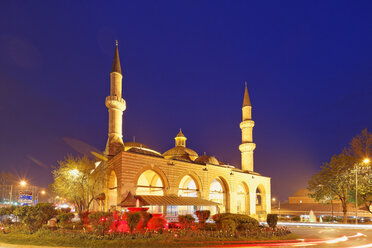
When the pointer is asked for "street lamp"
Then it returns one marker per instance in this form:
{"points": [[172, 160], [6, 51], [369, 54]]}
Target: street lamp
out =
{"points": [[365, 161], [23, 183], [274, 199]]}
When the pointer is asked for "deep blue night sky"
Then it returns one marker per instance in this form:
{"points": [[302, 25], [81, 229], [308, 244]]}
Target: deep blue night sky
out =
{"points": [[308, 65]]}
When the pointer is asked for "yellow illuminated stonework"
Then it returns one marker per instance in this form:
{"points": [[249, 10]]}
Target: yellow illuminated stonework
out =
{"points": [[180, 172]]}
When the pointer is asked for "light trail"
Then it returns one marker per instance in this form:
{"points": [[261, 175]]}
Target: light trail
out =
{"points": [[297, 242], [351, 226]]}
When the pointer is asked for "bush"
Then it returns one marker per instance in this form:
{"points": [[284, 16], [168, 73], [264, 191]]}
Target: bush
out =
{"points": [[208, 227], [100, 221], [145, 217], [228, 225], [84, 217], [157, 223], [203, 215], [247, 227], [65, 220], [296, 218], [133, 218], [239, 220], [272, 220], [186, 220], [35, 216]]}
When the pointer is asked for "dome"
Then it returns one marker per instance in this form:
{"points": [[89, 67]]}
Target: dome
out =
{"points": [[136, 147], [206, 159], [144, 151], [302, 192], [180, 152], [129, 145]]}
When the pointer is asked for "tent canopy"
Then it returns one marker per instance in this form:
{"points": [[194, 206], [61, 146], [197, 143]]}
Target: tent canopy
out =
{"points": [[153, 200]]}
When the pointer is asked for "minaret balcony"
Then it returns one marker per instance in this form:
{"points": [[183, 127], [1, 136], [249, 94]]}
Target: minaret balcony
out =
{"points": [[116, 103], [246, 124], [247, 147]]}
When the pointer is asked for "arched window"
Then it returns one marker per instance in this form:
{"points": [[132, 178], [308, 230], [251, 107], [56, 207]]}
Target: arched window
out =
{"points": [[149, 183], [260, 199], [218, 194], [187, 187]]}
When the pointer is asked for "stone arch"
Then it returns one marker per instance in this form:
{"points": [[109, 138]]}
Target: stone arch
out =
{"points": [[260, 198], [157, 170], [219, 191], [243, 198], [150, 182], [193, 176], [112, 186]]}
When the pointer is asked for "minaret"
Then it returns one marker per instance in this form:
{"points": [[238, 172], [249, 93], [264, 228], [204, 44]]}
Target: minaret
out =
{"points": [[116, 105], [247, 147], [180, 139]]}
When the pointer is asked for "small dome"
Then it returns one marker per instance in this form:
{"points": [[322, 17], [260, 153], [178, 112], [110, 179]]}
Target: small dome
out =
{"points": [[180, 152], [206, 159]]}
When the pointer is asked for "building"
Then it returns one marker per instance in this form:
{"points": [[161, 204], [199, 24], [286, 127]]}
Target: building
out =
{"points": [[13, 192], [177, 181], [300, 203]]}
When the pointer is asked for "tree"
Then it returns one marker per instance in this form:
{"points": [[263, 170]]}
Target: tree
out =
{"points": [[77, 180], [334, 179], [361, 148]]}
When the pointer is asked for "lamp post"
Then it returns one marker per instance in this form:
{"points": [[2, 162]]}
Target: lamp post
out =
{"points": [[274, 199], [365, 161]]}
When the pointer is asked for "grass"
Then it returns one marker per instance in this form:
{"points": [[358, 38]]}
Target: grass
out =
{"points": [[48, 238]]}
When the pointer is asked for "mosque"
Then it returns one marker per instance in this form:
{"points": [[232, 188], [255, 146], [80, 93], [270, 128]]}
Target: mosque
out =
{"points": [[178, 181]]}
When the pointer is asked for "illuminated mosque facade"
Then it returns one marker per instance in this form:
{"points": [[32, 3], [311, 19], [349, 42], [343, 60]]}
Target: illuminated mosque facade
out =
{"points": [[178, 181]]}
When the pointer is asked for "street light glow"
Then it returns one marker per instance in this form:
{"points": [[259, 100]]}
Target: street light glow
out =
{"points": [[23, 183], [43, 192], [366, 161], [74, 172]]}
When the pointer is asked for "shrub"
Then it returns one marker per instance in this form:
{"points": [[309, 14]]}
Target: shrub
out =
{"points": [[65, 220], [35, 216], [133, 218], [100, 221], [186, 220], [84, 217], [157, 223], [247, 227], [272, 220], [238, 218], [145, 217], [203, 215], [296, 218], [228, 225]]}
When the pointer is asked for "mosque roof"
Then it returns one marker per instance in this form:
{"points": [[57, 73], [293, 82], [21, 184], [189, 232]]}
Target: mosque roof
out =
{"points": [[206, 159], [116, 63], [135, 144], [180, 152], [144, 151]]}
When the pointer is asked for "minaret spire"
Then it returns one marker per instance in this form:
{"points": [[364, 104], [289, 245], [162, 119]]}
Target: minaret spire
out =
{"points": [[116, 106], [116, 63], [247, 147], [246, 100]]}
